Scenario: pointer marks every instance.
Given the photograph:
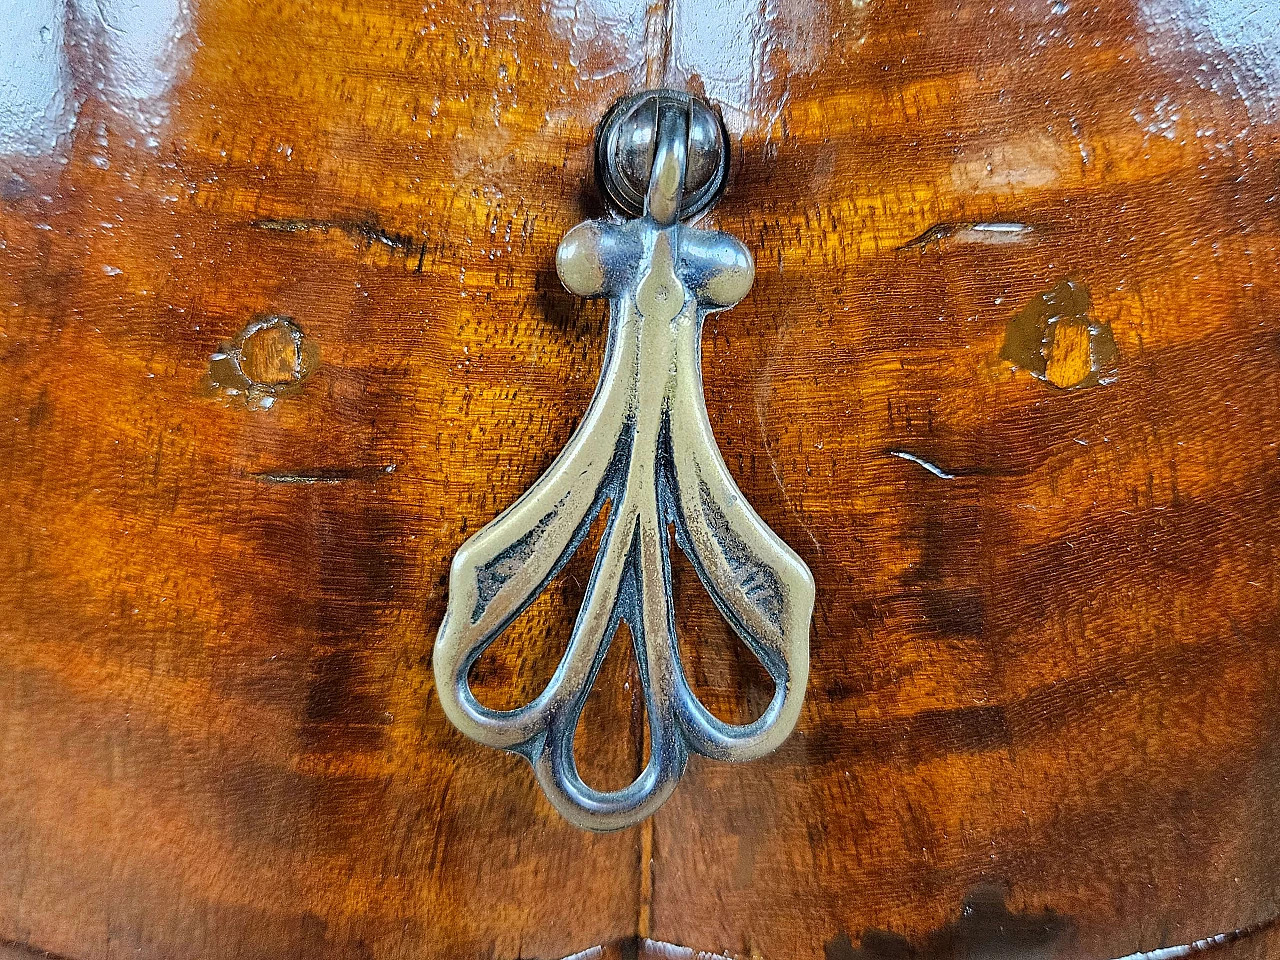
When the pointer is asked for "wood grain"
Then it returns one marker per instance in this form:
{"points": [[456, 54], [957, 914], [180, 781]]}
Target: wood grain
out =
{"points": [[280, 327]]}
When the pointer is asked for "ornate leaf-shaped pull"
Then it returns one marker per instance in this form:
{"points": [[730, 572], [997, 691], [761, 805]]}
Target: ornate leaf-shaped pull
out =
{"points": [[645, 447]]}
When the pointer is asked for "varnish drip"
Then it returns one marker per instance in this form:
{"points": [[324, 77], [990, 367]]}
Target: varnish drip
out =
{"points": [[1238, 45], [127, 54]]}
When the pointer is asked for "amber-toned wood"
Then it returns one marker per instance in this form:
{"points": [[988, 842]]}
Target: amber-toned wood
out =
{"points": [[279, 327]]}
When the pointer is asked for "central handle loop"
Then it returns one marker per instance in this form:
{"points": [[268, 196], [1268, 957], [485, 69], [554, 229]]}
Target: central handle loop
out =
{"points": [[670, 160]]}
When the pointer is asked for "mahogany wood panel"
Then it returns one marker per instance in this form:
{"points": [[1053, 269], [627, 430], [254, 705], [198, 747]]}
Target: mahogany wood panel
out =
{"points": [[279, 327]]}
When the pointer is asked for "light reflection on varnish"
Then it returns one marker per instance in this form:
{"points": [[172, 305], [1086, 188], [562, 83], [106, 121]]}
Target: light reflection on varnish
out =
{"points": [[54, 54]]}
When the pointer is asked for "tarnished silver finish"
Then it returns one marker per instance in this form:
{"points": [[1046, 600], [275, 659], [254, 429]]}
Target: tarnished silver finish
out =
{"points": [[644, 448]]}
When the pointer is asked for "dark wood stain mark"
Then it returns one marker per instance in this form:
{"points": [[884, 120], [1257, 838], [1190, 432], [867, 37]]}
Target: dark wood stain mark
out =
{"points": [[359, 564], [912, 739], [30, 950], [985, 930], [39, 411], [955, 612]]}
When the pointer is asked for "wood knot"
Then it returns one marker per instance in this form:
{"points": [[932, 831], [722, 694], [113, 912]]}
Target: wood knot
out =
{"points": [[1055, 339], [269, 358]]}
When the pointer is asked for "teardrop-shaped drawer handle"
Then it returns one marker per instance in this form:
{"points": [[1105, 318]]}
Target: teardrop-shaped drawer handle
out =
{"points": [[645, 448]]}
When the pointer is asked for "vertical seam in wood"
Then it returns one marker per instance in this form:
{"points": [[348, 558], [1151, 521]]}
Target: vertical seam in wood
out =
{"points": [[659, 41], [659, 69], [644, 921]]}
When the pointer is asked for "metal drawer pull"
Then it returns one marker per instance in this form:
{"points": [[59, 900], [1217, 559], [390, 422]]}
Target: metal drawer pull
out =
{"points": [[645, 448]]}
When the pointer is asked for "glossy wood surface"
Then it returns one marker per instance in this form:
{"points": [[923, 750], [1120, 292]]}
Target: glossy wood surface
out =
{"points": [[1008, 381]]}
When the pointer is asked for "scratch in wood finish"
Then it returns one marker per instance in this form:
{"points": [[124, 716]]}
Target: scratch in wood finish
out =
{"points": [[1204, 944], [364, 232], [933, 468], [324, 474], [971, 232]]}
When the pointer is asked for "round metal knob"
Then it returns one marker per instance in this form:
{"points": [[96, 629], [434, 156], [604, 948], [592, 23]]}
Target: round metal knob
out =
{"points": [[625, 144]]}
